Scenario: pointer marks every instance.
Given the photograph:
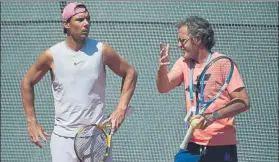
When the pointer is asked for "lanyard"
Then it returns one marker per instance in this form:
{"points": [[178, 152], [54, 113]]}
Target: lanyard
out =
{"points": [[191, 79], [193, 110]]}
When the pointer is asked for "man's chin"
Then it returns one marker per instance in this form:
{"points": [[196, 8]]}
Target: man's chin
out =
{"points": [[83, 37], [186, 56]]}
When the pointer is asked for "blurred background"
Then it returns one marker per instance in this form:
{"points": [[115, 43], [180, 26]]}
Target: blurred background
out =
{"points": [[245, 31]]}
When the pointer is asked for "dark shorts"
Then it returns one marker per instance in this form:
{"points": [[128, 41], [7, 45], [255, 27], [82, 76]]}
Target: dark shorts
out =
{"points": [[198, 153]]}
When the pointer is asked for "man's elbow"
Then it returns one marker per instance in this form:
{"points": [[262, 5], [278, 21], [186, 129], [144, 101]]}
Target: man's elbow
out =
{"points": [[247, 106], [162, 89], [133, 72], [245, 103], [25, 84]]}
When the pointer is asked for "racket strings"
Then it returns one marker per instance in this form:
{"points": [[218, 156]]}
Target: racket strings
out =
{"points": [[215, 78], [91, 144]]}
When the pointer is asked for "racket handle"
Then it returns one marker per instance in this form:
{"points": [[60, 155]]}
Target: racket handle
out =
{"points": [[109, 140], [187, 138]]}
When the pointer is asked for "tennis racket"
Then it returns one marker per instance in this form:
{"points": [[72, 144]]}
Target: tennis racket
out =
{"points": [[211, 83], [92, 143]]}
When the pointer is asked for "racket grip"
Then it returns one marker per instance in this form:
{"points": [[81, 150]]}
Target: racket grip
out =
{"points": [[109, 140], [187, 138]]}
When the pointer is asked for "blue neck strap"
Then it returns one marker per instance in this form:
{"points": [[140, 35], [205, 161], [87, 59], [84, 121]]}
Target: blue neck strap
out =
{"points": [[192, 64]]}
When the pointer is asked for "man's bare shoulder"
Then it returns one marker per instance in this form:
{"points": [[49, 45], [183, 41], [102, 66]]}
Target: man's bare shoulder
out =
{"points": [[108, 52], [106, 48], [46, 57]]}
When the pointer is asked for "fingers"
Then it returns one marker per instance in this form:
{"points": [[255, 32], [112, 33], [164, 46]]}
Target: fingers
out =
{"points": [[164, 55], [116, 119], [38, 144], [163, 51], [114, 126], [35, 139], [203, 119], [42, 136], [200, 119], [35, 133], [106, 121], [164, 60], [195, 117], [165, 64], [161, 46], [168, 50], [47, 134]]}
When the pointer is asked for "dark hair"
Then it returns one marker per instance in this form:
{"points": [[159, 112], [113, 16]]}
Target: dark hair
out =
{"points": [[198, 26], [69, 19]]}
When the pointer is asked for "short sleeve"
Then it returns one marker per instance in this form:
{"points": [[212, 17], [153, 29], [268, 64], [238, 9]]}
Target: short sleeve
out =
{"points": [[236, 81], [178, 68]]}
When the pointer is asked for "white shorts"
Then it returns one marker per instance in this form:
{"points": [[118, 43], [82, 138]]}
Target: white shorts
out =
{"points": [[62, 149]]}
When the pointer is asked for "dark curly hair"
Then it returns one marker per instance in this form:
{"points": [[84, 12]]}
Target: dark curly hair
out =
{"points": [[198, 26]]}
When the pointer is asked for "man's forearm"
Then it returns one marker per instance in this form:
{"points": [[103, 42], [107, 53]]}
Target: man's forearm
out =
{"points": [[162, 80], [27, 94], [236, 106], [127, 89]]}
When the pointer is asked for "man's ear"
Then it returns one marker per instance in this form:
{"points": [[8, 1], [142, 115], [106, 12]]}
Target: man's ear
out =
{"points": [[66, 24], [197, 40]]}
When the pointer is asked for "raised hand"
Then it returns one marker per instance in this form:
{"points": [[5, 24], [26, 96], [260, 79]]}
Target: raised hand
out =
{"points": [[164, 60]]}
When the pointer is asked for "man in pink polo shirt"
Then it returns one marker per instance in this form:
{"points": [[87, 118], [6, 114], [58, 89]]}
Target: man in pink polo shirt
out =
{"points": [[216, 140]]}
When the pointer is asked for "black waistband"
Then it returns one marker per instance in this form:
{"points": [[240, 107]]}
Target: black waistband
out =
{"points": [[199, 149]]}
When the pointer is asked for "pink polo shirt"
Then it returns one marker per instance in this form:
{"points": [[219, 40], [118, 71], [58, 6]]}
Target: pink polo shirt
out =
{"points": [[220, 132]]}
